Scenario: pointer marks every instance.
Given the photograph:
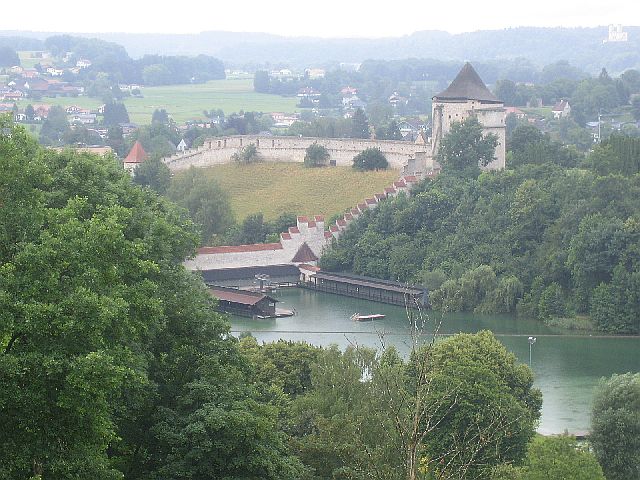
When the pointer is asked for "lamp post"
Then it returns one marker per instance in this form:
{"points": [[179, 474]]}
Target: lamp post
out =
{"points": [[532, 340]]}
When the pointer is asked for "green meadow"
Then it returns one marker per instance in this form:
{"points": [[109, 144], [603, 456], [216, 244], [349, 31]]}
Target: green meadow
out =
{"points": [[273, 188], [187, 102]]}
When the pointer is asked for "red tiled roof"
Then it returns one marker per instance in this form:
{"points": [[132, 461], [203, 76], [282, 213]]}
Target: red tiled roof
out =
{"points": [[399, 184], [334, 228], [371, 201], [362, 206], [303, 219], [389, 190], [410, 178], [285, 236], [294, 230], [311, 224], [304, 254], [256, 247], [348, 216], [136, 154], [319, 218], [380, 196], [355, 212], [341, 222], [327, 235]]}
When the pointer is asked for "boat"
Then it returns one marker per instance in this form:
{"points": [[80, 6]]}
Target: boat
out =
{"points": [[357, 317]]}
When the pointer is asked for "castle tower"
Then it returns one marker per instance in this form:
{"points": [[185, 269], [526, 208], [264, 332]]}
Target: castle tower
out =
{"points": [[466, 96]]}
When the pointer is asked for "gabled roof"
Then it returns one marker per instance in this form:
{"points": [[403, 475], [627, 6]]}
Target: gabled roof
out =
{"points": [[242, 297], [467, 86], [136, 154], [255, 247], [304, 254]]}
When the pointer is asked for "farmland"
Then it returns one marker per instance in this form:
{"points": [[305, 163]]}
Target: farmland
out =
{"points": [[273, 188], [187, 102]]}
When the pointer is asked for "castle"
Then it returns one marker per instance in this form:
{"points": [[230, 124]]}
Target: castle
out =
{"points": [[467, 95], [303, 244]]}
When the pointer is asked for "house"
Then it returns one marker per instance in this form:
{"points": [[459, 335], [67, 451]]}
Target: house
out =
{"points": [[244, 303], [83, 118], [561, 109], [396, 99], [55, 72], [308, 93], [83, 63], [348, 92], [72, 109], [515, 111], [313, 73]]}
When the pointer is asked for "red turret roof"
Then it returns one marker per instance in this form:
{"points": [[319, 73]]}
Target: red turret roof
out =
{"points": [[136, 154]]}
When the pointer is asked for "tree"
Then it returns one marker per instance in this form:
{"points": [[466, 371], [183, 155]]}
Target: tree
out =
{"points": [[615, 426], [8, 57], [261, 82], [206, 202], [465, 148], [316, 155], [160, 116], [247, 154], [29, 112], [154, 174], [553, 457], [370, 159], [360, 125], [115, 113], [54, 127]]}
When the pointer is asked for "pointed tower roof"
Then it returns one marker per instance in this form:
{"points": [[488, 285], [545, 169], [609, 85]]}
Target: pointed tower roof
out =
{"points": [[467, 86], [304, 254], [136, 154]]}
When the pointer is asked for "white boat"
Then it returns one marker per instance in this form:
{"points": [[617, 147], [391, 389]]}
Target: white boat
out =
{"points": [[357, 317]]}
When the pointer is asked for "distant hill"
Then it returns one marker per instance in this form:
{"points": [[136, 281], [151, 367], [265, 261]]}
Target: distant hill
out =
{"points": [[582, 47]]}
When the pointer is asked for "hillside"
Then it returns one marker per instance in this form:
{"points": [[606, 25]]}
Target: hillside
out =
{"points": [[274, 188], [582, 47]]}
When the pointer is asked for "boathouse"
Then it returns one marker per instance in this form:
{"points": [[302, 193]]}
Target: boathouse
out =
{"points": [[244, 303], [368, 288], [269, 276]]}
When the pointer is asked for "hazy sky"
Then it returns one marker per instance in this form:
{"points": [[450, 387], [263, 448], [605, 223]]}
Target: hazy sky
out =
{"points": [[326, 18]]}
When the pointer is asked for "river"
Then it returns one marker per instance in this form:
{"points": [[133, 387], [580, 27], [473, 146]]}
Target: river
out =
{"points": [[567, 366]]}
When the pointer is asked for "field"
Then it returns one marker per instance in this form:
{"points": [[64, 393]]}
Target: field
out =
{"points": [[186, 102], [274, 188]]}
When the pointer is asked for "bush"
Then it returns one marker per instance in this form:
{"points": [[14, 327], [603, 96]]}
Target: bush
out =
{"points": [[246, 155], [370, 159], [316, 156]]}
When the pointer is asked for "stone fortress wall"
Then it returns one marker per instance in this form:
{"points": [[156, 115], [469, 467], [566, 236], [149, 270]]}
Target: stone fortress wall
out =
{"points": [[219, 150]]}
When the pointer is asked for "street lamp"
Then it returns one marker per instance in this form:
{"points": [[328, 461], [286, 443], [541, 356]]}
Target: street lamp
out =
{"points": [[532, 340]]}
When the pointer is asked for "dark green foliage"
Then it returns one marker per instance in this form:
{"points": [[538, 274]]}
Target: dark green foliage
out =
{"points": [[207, 204], [261, 81], [550, 241], [370, 159], [360, 125], [115, 113], [464, 149], [615, 426], [160, 116], [113, 361], [528, 145], [316, 156], [153, 173], [54, 127]]}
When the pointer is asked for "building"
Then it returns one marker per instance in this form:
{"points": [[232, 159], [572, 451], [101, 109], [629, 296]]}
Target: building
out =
{"points": [[244, 303], [616, 34], [468, 96], [561, 109], [136, 156]]}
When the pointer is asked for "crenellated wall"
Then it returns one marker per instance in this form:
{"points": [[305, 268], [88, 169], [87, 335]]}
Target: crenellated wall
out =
{"points": [[219, 150]]}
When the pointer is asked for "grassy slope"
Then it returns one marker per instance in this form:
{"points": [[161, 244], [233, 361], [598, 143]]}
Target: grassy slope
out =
{"points": [[186, 102], [274, 188]]}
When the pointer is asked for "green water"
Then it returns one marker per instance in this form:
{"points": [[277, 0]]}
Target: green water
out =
{"points": [[567, 367]]}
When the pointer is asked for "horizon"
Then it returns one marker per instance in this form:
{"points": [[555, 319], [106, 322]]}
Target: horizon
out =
{"points": [[334, 20]]}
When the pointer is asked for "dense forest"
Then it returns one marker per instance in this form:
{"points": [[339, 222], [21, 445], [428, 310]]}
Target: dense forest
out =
{"points": [[556, 235]]}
